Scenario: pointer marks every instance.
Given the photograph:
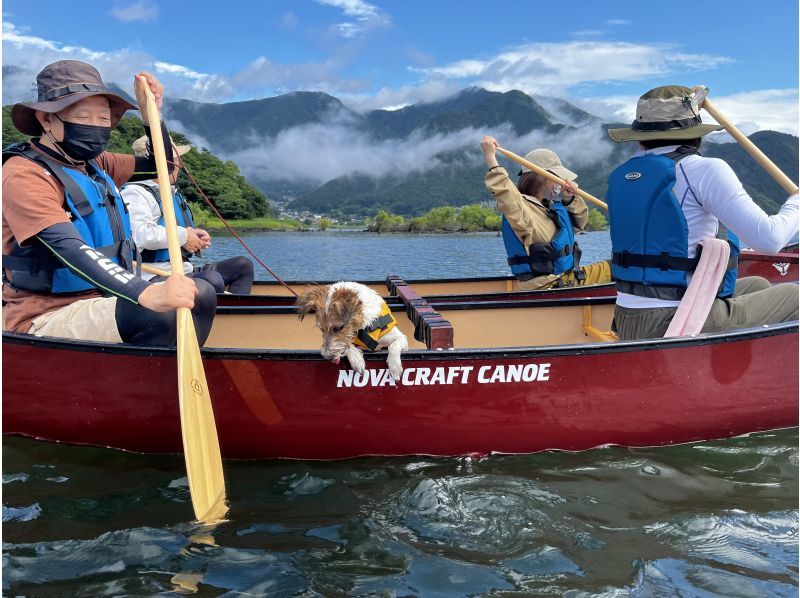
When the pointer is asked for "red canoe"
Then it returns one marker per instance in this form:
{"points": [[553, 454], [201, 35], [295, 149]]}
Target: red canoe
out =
{"points": [[520, 377], [777, 268]]}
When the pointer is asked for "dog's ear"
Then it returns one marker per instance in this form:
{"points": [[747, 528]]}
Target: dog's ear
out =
{"points": [[311, 301]]}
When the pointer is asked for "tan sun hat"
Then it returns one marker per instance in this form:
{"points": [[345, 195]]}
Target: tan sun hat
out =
{"points": [[140, 147], [60, 85], [669, 112], [547, 159]]}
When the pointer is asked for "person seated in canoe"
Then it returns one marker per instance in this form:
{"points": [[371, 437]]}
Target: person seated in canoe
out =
{"points": [[668, 198], [150, 235], [67, 248], [539, 223]]}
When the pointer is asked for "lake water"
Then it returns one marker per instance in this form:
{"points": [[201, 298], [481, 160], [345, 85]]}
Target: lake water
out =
{"points": [[704, 519], [356, 255]]}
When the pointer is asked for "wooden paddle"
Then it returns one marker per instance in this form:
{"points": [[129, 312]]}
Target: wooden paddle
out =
{"points": [[549, 175], [784, 181], [153, 270], [200, 442]]}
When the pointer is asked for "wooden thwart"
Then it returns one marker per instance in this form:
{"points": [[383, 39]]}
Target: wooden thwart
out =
{"points": [[429, 326]]}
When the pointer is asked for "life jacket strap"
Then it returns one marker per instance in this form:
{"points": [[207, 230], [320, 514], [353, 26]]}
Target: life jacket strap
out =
{"points": [[382, 323], [540, 254], [662, 261]]}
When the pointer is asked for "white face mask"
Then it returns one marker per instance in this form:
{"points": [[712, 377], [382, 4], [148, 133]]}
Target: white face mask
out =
{"points": [[553, 194]]}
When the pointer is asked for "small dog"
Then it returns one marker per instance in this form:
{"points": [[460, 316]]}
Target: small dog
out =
{"points": [[351, 314]]}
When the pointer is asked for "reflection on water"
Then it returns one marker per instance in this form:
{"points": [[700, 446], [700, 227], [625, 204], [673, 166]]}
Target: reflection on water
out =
{"points": [[704, 519], [714, 518]]}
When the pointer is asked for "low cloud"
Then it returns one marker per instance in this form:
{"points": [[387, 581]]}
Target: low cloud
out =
{"points": [[321, 152], [142, 10]]}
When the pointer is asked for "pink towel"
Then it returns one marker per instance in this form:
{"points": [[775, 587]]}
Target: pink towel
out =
{"points": [[696, 303]]}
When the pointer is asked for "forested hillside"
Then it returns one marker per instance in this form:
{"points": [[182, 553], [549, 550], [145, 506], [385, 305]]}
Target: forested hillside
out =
{"points": [[220, 180]]}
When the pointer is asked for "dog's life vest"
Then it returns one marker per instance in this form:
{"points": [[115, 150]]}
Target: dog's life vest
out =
{"points": [[649, 232], [183, 216], [367, 337], [97, 212], [560, 255]]}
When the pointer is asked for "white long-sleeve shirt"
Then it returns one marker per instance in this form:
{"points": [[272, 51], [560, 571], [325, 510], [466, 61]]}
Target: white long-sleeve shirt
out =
{"points": [[147, 233], [709, 193]]}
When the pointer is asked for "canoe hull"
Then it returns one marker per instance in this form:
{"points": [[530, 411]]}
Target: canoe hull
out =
{"points": [[292, 404]]}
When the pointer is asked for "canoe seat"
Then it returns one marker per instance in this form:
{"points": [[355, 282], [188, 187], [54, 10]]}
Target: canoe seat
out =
{"points": [[595, 333], [429, 326]]}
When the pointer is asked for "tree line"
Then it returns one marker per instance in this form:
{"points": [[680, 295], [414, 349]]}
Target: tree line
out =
{"points": [[469, 218]]}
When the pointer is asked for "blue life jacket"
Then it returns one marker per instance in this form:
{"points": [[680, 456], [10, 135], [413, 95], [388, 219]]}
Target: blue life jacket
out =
{"points": [[97, 212], [560, 255], [649, 232], [183, 216]]}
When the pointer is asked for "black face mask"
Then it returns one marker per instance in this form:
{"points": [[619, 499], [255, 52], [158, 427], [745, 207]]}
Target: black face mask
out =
{"points": [[84, 142]]}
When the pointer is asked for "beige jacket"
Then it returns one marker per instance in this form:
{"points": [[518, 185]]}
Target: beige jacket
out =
{"points": [[528, 216]]}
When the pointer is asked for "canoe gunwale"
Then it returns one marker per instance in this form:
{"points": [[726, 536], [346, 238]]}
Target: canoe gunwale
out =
{"points": [[532, 351]]}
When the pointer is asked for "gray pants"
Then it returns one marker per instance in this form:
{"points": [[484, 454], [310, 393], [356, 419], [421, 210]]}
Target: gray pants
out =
{"points": [[754, 302]]}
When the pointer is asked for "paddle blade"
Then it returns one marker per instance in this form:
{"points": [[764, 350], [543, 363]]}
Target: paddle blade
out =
{"points": [[200, 442]]}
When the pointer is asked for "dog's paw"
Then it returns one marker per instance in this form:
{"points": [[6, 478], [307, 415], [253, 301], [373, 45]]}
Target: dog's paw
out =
{"points": [[356, 359], [395, 367]]}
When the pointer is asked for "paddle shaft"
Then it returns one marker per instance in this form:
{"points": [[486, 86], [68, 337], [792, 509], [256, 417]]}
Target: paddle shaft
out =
{"points": [[767, 164], [153, 270], [200, 442], [549, 176]]}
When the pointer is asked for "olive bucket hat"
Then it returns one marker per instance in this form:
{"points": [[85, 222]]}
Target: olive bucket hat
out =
{"points": [[669, 112], [60, 85]]}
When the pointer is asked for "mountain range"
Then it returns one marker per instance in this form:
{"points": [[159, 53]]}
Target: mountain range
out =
{"points": [[309, 151]]}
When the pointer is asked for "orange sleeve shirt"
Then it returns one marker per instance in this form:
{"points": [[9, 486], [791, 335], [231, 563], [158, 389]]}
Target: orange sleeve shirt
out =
{"points": [[33, 199]]}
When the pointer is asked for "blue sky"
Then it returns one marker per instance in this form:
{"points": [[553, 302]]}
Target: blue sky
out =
{"points": [[599, 55]]}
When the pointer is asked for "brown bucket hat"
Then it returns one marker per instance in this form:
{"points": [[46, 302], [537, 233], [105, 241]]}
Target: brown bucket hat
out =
{"points": [[61, 84], [669, 112]]}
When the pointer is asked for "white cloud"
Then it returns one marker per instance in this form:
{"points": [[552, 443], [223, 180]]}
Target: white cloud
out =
{"points": [[141, 10], [28, 54], [365, 16], [617, 22], [751, 111], [289, 20], [773, 109], [552, 68]]}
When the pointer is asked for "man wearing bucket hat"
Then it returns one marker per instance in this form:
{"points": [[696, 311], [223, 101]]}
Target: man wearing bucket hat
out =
{"points": [[67, 249], [664, 201], [539, 223], [143, 199]]}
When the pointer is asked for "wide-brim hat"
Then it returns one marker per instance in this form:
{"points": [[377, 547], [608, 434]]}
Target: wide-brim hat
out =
{"points": [[140, 147], [669, 112], [548, 160], [60, 85]]}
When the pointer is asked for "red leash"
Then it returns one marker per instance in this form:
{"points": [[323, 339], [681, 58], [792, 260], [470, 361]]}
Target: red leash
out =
{"points": [[233, 232]]}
